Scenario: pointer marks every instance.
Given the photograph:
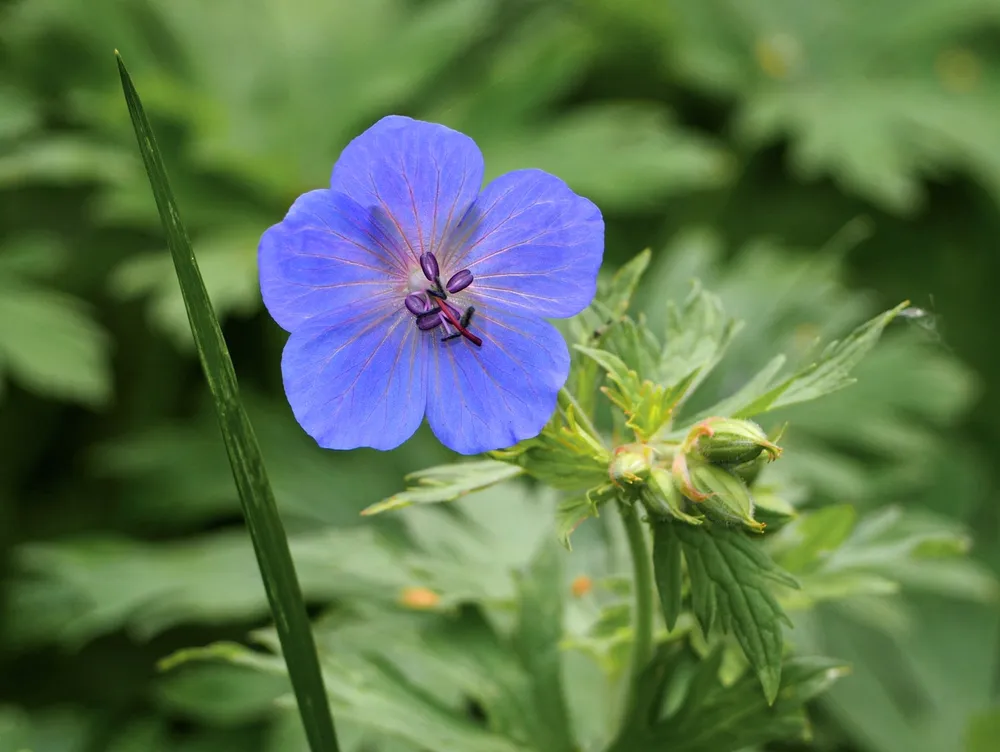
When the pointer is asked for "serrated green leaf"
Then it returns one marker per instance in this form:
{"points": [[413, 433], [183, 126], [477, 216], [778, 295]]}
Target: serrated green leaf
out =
{"points": [[883, 552], [570, 513], [736, 404], [651, 687], [728, 719], [266, 530], [617, 294], [698, 332], [447, 483], [729, 579], [596, 323], [75, 590], [635, 345], [51, 345], [608, 641], [368, 690], [474, 660], [220, 693], [655, 158], [815, 535], [647, 406], [830, 373], [615, 367], [668, 571], [921, 88], [568, 455]]}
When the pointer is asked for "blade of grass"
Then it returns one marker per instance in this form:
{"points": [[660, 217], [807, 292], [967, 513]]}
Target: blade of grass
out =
{"points": [[266, 530]]}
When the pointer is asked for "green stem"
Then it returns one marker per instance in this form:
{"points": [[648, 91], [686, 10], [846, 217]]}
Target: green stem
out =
{"points": [[643, 611]]}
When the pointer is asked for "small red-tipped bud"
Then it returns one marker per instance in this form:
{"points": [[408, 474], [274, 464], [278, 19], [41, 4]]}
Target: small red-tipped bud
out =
{"points": [[630, 464], [682, 478]]}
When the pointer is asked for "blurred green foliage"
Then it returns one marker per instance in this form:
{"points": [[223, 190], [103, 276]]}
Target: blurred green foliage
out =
{"points": [[739, 139]]}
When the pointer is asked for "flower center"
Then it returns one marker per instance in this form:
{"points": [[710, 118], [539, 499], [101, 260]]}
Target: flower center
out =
{"points": [[427, 300]]}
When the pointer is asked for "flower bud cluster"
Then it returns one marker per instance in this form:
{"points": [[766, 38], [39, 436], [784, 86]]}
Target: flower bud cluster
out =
{"points": [[707, 474]]}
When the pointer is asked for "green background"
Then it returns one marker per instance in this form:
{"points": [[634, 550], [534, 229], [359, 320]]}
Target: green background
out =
{"points": [[701, 128]]}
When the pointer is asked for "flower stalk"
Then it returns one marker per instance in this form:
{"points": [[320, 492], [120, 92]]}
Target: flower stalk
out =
{"points": [[643, 610]]}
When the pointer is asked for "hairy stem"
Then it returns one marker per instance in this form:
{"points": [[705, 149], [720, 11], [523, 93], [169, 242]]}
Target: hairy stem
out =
{"points": [[643, 610]]}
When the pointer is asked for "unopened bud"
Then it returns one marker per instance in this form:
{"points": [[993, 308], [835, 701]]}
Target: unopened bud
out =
{"points": [[662, 499], [682, 478], [630, 464], [730, 442], [748, 472], [727, 497], [772, 510]]}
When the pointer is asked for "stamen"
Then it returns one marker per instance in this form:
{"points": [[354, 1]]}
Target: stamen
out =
{"points": [[417, 303], [451, 315], [429, 266], [459, 281], [429, 320], [464, 321]]}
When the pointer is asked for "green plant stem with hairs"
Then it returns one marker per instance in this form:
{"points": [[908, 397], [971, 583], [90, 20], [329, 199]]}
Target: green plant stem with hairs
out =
{"points": [[643, 611]]}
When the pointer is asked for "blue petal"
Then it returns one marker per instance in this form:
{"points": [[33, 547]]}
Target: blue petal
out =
{"points": [[328, 252], [422, 177], [358, 380], [494, 396], [534, 245]]}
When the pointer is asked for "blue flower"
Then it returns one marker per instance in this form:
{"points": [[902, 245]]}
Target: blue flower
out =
{"points": [[411, 291]]}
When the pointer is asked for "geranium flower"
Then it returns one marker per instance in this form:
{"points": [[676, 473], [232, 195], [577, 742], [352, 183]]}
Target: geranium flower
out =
{"points": [[410, 292]]}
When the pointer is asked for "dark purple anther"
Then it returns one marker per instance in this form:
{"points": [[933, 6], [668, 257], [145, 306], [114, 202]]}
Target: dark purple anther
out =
{"points": [[459, 281], [429, 265], [417, 303], [429, 320]]}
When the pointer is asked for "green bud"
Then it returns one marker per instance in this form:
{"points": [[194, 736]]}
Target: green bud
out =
{"points": [[772, 510], [749, 471], [662, 499], [728, 441], [630, 464], [727, 497]]}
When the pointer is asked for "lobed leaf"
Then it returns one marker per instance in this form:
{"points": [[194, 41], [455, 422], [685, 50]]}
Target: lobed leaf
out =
{"points": [[729, 586], [830, 373], [447, 483], [668, 571]]}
